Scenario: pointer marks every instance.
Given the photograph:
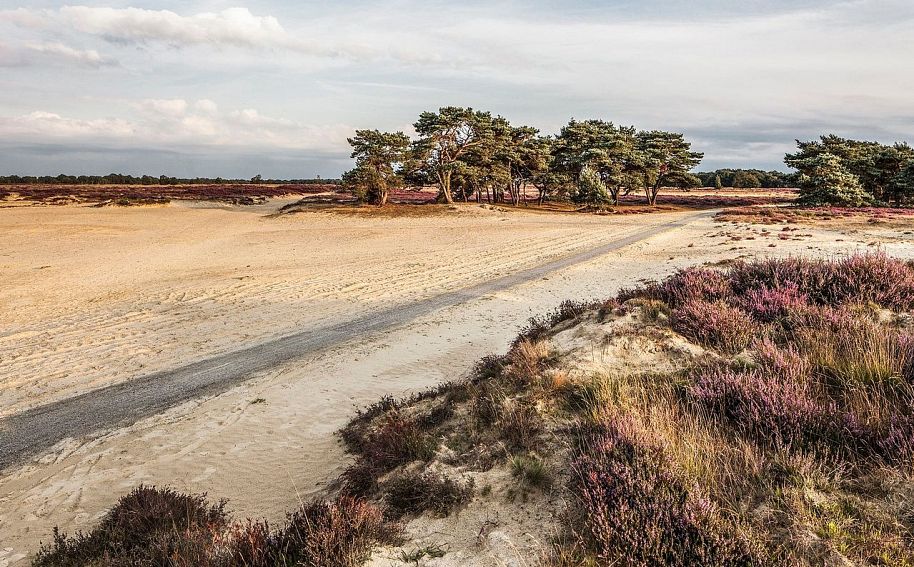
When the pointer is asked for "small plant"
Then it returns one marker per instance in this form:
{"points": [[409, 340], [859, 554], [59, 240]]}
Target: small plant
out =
{"points": [[527, 360], [145, 527], [415, 493], [520, 425], [531, 471], [634, 510], [420, 553], [398, 440], [339, 533]]}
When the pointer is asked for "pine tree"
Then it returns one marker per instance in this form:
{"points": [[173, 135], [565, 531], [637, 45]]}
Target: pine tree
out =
{"points": [[825, 181]]}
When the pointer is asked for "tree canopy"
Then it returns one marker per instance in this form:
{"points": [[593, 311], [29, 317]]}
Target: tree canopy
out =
{"points": [[836, 170], [468, 153]]}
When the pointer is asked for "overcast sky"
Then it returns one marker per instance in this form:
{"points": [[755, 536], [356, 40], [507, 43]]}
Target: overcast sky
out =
{"points": [[274, 87]]}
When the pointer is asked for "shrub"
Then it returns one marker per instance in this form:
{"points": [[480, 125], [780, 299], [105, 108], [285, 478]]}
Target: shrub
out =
{"points": [[520, 424], [487, 401], [488, 367], [786, 364], [147, 526], [771, 410], [694, 284], [633, 510], [861, 278], [527, 360], [415, 493], [770, 305], [876, 278], [538, 327], [398, 440], [715, 325], [339, 533]]}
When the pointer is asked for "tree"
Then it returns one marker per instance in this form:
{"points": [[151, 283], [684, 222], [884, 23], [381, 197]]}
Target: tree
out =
{"points": [[903, 184], [666, 160], [824, 180], [604, 148], [379, 156], [591, 190], [746, 180], [444, 138], [717, 183]]}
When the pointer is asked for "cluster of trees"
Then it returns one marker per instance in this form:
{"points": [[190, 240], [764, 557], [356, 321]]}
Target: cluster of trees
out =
{"points": [[121, 179], [745, 178], [839, 171], [469, 154]]}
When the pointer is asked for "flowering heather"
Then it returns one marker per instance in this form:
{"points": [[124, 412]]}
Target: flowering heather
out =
{"points": [[716, 325], [785, 363], [875, 277], [693, 284], [769, 305], [634, 510], [770, 409]]}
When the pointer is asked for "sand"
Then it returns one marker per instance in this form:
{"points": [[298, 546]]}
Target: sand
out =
{"points": [[91, 297]]}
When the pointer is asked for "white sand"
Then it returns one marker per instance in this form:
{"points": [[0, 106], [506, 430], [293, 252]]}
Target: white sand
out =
{"points": [[129, 291]]}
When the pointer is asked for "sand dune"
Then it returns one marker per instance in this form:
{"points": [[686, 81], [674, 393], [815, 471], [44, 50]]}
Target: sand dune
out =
{"points": [[133, 290]]}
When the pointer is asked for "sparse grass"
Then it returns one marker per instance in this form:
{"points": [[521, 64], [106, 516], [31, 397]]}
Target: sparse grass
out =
{"points": [[520, 424], [412, 493]]}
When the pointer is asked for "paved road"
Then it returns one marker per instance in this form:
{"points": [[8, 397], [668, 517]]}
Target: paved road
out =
{"points": [[38, 429]]}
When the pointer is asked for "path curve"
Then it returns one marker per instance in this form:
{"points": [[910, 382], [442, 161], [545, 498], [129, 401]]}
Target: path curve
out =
{"points": [[35, 430]]}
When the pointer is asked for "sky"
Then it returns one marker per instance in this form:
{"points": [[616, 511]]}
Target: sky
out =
{"points": [[274, 87]]}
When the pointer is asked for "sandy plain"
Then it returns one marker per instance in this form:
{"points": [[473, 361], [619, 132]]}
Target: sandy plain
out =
{"points": [[94, 296]]}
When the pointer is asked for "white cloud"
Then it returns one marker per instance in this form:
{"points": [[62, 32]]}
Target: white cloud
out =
{"points": [[206, 106], [51, 53], [233, 26], [169, 122], [167, 107]]}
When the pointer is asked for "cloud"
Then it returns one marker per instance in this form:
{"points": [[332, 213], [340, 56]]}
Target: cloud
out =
{"points": [[164, 123], [174, 107], [232, 26], [52, 53]]}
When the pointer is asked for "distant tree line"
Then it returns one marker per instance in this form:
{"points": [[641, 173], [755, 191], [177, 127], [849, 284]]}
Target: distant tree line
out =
{"points": [[745, 178], [469, 154], [121, 179], [839, 171]]}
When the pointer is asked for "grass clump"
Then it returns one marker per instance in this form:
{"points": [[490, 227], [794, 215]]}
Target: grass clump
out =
{"points": [[413, 493], [532, 471]]}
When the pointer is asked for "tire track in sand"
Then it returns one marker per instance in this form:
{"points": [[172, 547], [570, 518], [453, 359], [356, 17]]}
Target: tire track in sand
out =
{"points": [[35, 430]]}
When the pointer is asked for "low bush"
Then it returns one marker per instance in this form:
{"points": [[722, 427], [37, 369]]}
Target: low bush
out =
{"points": [[715, 325], [632, 509], [147, 526], [155, 527], [413, 493], [520, 425], [538, 327], [340, 533], [397, 440], [526, 360], [770, 305]]}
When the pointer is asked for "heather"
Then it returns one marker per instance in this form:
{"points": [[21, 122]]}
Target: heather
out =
{"points": [[767, 418], [159, 526]]}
